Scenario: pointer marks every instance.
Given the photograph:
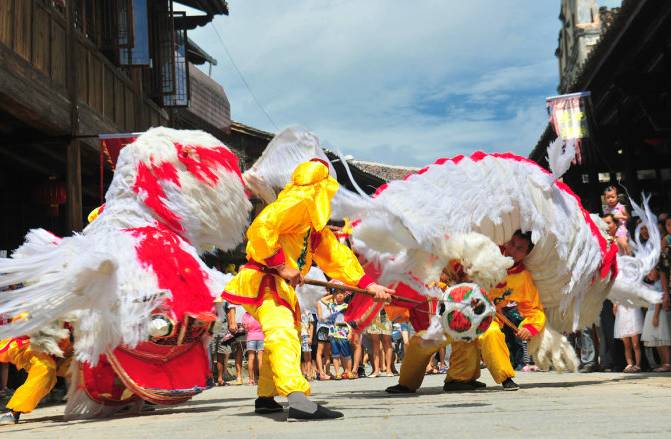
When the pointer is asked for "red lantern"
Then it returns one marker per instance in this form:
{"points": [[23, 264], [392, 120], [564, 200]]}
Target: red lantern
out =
{"points": [[51, 193]]}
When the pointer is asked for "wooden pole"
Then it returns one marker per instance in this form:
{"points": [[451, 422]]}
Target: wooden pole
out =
{"points": [[321, 283], [74, 167]]}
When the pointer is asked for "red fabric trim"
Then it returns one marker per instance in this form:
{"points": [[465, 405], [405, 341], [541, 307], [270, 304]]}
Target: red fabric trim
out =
{"points": [[315, 239], [532, 329], [21, 342], [608, 260], [323, 162], [268, 281], [517, 268], [276, 260], [365, 281]]}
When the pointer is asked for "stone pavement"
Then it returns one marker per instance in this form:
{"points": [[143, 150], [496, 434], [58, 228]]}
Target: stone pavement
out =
{"points": [[547, 405]]}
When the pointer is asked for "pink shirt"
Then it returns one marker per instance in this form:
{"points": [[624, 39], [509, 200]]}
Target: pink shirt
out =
{"points": [[252, 327]]}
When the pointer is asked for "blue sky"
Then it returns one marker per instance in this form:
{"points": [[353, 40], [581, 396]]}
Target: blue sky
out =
{"points": [[397, 82]]}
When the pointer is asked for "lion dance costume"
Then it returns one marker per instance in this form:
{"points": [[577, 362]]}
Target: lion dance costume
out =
{"points": [[139, 297]]}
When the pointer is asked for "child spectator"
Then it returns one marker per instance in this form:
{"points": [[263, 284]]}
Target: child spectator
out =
{"points": [[324, 328], [656, 329], [340, 349], [307, 332], [619, 212], [254, 346], [628, 326]]}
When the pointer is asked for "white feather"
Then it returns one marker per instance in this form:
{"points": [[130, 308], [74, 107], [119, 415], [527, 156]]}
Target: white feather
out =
{"points": [[560, 155], [289, 148]]}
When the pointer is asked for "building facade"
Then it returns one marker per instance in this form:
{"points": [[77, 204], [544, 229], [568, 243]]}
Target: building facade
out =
{"points": [[72, 69]]}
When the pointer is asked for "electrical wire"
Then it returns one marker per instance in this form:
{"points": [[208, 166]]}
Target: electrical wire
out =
{"points": [[242, 77]]}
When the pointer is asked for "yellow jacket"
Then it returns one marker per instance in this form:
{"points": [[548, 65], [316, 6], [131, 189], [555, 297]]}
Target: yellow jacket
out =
{"points": [[519, 287], [292, 230]]}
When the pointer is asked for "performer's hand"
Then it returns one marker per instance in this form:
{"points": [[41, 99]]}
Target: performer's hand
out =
{"points": [[291, 275], [382, 294], [523, 334], [232, 328]]}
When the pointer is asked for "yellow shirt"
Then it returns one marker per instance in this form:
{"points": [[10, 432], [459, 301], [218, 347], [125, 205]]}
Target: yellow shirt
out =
{"points": [[519, 287], [284, 233]]}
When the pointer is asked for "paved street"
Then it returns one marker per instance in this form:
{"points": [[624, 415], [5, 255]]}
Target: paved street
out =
{"points": [[548, 405]]}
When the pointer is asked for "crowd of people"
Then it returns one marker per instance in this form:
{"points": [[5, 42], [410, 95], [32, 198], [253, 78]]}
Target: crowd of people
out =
{"points": [[614, 342]]}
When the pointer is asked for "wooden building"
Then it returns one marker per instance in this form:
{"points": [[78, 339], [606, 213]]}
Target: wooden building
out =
{"points": [[71, 69], [629, 76]]}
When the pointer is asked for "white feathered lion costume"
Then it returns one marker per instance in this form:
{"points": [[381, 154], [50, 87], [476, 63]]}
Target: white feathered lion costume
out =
{"points": [[132, 282]]}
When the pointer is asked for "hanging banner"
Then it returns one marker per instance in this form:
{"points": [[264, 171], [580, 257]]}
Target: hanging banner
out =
{"points": [[568, 116], [110, 147]]}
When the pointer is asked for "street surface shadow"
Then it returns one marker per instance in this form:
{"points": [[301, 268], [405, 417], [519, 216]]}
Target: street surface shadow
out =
{"points": [[582, 383], [215, 401], [463, 405], [58, 421]]}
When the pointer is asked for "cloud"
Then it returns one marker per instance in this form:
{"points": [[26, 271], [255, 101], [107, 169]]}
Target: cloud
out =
{"points": [[397, 82]]}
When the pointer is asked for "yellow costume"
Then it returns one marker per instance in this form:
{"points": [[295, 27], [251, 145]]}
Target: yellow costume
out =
{"points": [[290, 231], [517, 287], [42, 372]]}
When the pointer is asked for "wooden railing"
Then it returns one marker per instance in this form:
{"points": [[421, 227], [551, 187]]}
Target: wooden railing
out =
{"points": [[36, 32]]}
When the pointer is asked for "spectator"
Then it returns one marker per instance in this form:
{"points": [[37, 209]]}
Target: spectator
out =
{"points": [[382, 351], [628, 326], [340, 349], [307, 332], [254, 346], [323, 345], [656, 330], [218, 347], [237, 342], [620, 215]]}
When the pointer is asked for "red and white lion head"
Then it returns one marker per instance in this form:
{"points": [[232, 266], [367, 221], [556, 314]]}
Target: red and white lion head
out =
{"points": [[185, 180]]}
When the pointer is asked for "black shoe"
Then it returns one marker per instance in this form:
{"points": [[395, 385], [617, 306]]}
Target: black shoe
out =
{"points": [[477, 384], [399, 389], [361, 371], [589, 368], [510, 385], [459, 386], [321, 413], [264, 405]]}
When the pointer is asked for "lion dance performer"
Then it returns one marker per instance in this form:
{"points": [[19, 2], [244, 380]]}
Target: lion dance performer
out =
{"points": [[283, 242], [44, 357], [139, 297]]}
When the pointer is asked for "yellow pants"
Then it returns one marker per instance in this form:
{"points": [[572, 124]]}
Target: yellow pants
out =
{"points": [[416, 358], [281, 369], [464, 360], [41, 379], [495, 353]]}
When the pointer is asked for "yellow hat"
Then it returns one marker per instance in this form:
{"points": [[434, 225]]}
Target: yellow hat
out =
{"points": [[311, 182]]}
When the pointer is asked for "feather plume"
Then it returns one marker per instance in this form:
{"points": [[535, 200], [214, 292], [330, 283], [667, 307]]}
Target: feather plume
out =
{"points": [[560, 155]]}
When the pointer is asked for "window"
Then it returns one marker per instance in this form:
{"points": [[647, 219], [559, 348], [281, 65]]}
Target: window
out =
{"points": [[585, 178], [171, 68], [604, 177], [133, 33], [665, 174], [646, 174]]}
